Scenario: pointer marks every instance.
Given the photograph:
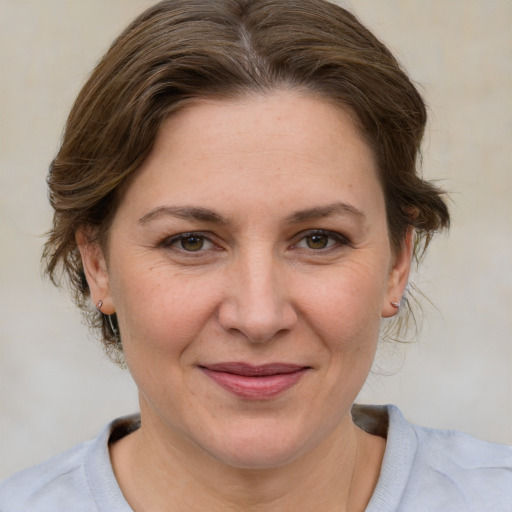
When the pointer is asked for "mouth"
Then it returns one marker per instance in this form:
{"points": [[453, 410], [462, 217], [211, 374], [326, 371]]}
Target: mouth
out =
{"points": [[255, 382]]}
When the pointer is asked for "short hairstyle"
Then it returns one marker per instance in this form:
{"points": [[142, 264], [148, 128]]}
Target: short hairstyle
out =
{"points": [[181, 50]]}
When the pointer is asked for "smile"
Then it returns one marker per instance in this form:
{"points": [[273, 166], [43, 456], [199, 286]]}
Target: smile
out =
{"points": [[255, 382]]}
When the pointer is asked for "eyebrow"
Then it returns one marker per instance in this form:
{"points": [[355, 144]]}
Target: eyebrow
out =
{"points": [[184, 212], [198, 213], [320, 212]]}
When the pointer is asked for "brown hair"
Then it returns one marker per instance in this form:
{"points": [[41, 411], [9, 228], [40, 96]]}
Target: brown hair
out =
{"points": [[180, 50]]}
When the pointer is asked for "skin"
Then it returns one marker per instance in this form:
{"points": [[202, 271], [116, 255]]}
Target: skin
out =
{"points": [[257, 287]]}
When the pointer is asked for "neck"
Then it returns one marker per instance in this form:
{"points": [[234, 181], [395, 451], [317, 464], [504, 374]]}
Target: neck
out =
{"points": [[339, 475]]}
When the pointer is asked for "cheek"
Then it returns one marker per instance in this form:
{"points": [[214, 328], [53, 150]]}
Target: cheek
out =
{"points": [[162, 312], [349, 330], [347, 302], [345, 314]]}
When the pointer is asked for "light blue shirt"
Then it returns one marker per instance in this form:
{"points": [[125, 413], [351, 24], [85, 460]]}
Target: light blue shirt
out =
{"points": [[423, 470]]}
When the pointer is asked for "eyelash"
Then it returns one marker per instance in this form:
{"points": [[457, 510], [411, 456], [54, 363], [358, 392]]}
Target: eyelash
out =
{"points": [[174, 240], [334, 240]]}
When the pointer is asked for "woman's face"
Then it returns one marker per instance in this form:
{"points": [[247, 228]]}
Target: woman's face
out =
{"points": [[249, 264]]}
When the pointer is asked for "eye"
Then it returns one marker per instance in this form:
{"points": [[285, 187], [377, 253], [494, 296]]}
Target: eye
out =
{"points": [[189, 242], [318, 240], [192, 243]]}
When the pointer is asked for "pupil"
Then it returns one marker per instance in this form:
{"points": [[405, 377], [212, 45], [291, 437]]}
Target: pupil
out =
{"points": [[317, 241], [192, 243]]}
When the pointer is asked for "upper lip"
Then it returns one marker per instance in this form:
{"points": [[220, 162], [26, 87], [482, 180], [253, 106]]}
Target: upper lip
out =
{"points": [[249, 370]]}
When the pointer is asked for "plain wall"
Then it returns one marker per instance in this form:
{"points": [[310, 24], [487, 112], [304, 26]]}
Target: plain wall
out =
{"points": [[56, 386]]}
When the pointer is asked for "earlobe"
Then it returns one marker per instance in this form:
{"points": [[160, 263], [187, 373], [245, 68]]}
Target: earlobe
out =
{"points": [[96, 272], [399, 277]]}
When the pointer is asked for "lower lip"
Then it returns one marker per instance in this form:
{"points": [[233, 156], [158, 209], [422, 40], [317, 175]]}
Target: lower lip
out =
{"points": [[255, 388]]}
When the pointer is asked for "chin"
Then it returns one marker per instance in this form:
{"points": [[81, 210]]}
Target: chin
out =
{"points": [[264, 446], [256, 457]]}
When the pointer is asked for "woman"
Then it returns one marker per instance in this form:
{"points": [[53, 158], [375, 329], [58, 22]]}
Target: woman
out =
{"points": [[236, 194]]}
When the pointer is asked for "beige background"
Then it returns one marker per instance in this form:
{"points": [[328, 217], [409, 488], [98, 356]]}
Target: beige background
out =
{"points": [[57, 388]]}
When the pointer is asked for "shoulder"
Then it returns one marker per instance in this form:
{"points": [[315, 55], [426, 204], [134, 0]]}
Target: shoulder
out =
{"points": [[78, 480], [453, 471], [425, 469], [55, 481]]}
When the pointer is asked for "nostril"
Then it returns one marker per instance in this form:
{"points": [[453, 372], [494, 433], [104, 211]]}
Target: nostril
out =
{"points": [[256, 329]]}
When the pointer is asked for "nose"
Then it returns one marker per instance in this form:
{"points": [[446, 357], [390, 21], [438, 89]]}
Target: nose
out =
{"points": [[257, 305]]}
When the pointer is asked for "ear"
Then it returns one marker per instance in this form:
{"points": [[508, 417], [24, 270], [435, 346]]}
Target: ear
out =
{"points": [[399, 276], [96, 272]]}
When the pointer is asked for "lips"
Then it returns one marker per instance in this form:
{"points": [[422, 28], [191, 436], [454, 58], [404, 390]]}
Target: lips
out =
{"points": [[255, 382]]}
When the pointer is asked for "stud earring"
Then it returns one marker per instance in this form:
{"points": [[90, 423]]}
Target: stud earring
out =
{"points": [[99, 306], [396, 305]]}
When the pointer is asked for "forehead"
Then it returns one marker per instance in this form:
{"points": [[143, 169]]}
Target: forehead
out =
{"points": [[297, 146], [273, 119]]}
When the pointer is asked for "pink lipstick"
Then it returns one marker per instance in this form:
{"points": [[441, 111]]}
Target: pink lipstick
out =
{"points": [[255, 382]]}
